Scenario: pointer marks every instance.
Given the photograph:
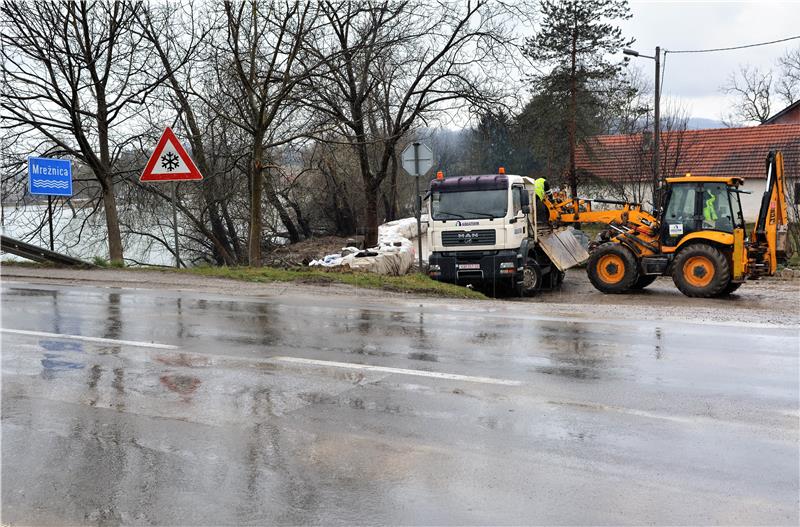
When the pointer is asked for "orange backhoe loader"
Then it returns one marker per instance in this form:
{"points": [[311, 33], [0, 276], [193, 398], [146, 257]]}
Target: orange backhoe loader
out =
{"points": [[697, 236]]}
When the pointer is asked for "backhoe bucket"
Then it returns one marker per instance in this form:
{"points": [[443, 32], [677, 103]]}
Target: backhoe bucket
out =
{"points": [[563, 249]]}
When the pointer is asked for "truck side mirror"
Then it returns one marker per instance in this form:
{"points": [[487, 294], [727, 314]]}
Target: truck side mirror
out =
{"points": [[525, 202]]}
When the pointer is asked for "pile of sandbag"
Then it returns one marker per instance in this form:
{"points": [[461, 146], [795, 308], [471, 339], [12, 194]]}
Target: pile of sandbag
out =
{"points": [[394, 254]]}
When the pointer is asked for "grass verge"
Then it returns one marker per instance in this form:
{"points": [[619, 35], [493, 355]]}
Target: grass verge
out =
{"points": [[413, 283], [27, 263]]}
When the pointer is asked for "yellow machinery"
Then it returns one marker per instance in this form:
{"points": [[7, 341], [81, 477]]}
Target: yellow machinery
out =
{"points": [[698, 237]]}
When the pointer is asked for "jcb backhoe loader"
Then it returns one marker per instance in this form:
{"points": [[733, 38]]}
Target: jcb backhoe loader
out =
{"points": [[697, 236]]}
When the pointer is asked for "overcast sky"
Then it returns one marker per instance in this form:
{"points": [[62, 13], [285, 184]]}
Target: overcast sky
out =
{"points": [[694, 79]]}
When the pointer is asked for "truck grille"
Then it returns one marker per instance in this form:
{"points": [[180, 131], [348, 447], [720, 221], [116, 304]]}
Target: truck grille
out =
{"points": [[484, 237]]}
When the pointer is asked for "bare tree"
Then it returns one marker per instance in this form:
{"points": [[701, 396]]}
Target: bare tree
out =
{"points": [[753, 91], [179, 40], [677, 148], [632, 157], [73, 75], [789, 82], [388, 66], [258, 72], [756, 91]]}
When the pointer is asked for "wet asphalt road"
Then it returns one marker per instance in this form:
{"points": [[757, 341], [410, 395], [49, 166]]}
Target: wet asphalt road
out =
{"points": [[190, 408]]}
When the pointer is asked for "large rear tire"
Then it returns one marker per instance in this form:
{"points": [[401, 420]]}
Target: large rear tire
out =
{"points": [[612, 268], [701, 271], [644, 280]]}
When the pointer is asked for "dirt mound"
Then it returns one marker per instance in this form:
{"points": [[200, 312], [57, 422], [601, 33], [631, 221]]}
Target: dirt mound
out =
{"points": [[301, 253]]}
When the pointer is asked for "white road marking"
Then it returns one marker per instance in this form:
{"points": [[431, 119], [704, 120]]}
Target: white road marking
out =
{"points": [[99, 340], [401, 371]]}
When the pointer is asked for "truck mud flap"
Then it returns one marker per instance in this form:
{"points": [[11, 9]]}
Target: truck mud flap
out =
{"points": [[563, 249]]}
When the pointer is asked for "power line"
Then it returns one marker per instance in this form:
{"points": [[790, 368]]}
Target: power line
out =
{"points": [[735, 47]]}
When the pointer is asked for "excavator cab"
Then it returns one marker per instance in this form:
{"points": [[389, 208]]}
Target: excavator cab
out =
{"points": [[693, 205]]}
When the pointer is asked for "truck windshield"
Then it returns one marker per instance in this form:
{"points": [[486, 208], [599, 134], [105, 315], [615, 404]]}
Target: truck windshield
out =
{"points": [[470, 204]]}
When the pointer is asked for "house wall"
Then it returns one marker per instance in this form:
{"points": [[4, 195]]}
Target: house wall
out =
{"points": [[790, 117], [752, 202]]}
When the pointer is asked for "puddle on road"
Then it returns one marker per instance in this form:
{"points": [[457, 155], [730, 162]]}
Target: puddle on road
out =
{"points": [[30, 292], [573, 373], [354, 402], [369, 349], [184, 360], [183, 385], [428, 357]]}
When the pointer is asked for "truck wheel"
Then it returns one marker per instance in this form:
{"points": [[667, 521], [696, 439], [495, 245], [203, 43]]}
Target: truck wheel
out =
{"points": [[531, 280], [612, 268], [644, 280], [701, 271]]}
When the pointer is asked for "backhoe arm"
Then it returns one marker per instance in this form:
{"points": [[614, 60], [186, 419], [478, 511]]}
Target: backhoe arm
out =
{"points": [[770, 242], [580, 211]]}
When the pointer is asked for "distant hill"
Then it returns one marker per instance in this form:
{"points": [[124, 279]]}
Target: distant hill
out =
{"points": [[701, 123]]}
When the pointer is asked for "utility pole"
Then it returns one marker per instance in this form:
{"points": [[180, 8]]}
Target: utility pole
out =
{"points": [[657, 132], [656, 120]]}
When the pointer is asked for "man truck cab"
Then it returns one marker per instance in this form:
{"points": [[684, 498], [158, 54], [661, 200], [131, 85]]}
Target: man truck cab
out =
{"points": [[484, 232]]}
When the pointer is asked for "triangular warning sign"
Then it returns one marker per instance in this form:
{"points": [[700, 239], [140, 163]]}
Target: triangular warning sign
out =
{"points": [[170, 161]]}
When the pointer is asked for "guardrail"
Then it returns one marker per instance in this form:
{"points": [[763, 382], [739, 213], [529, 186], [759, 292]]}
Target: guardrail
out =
{"points": [[38, 254]]}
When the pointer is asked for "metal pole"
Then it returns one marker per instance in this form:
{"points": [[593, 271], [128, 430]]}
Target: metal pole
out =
{"points": [[50, 220], [418, 205], [175, 223], [657, 130]]}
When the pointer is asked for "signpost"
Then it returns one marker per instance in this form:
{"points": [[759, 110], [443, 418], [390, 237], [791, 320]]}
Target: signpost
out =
{"points": [[417, 160], [49, 177], [171, 162]]}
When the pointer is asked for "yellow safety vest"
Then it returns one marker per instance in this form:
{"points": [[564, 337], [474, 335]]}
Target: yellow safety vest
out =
{"points": [[709, 211], [539, 187]]}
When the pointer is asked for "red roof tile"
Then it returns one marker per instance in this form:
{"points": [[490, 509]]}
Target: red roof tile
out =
{"points": [[716, 152]]}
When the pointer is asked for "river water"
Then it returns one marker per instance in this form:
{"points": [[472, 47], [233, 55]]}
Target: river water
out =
{"points": [[77, 234]]}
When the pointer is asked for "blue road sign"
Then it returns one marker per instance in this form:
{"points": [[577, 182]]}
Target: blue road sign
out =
{"points": [[49, 177]]}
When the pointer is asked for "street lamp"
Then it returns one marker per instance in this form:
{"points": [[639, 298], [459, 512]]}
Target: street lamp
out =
{"points": [[656, 121]]}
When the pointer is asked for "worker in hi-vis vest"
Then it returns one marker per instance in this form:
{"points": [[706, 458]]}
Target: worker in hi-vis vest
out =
{"points": [[710, 209], [539, 187]]}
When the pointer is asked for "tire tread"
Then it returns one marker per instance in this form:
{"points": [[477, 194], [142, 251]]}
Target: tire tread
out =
{"points": [[722, 271], [631, 268]]}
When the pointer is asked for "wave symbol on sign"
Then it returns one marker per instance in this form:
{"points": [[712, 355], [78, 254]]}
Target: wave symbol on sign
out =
{"points": [[46, 183]]}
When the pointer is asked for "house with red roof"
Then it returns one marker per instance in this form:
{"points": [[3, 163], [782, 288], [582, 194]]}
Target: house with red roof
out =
{"points": [[622, 164], [789, 115]]}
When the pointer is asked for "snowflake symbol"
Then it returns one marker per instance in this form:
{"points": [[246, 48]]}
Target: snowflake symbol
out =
{"points": [[169, 161]]}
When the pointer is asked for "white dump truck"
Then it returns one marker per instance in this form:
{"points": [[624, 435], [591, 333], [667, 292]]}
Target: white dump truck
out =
{"points": [[490, 232]]}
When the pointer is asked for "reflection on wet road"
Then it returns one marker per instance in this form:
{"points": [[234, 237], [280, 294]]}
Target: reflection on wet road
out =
{"points": [[182, 408]]}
